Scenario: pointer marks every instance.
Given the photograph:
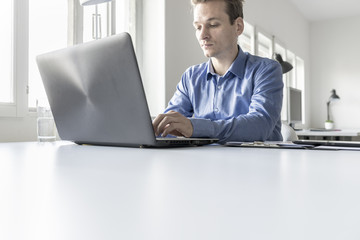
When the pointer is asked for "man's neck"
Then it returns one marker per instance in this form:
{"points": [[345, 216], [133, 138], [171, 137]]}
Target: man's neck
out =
{"points": [[222, 65]]}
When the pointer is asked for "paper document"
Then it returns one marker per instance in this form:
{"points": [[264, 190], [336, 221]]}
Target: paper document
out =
{"points": [[300, 144], [268, 144]]}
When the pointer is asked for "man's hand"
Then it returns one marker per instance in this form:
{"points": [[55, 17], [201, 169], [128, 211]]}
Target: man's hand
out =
{"points": [[173, 123]]}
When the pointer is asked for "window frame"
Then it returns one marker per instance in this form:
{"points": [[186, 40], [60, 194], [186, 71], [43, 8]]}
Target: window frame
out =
{"points": [[300, 82], [268, 37], [19, 61], [20, 49], [293, 78], [283, 52], [248, 33]]}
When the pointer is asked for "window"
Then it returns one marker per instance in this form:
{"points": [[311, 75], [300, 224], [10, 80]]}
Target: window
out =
{"points": [[296, 79], [112, 17], [13, 58], [47, 32], [279, 49], [292, 74], [96, 21], [264, 45], [300, 73], [6, 80], [43, 26], [247, 39], [300, 81]]}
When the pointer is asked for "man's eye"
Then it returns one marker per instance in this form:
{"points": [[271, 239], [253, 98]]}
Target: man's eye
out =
{"points": [[214, 25]]}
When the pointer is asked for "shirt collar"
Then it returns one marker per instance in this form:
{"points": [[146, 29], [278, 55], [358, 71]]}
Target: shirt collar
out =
{"points": [[237, 67]]}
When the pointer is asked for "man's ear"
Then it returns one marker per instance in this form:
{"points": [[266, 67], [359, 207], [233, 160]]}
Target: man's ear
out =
{"points": [[239, 22]]}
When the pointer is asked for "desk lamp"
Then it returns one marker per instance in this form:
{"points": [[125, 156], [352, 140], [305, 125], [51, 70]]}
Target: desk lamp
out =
{"points": [[333, 97], [286, 66], [96, 15]]}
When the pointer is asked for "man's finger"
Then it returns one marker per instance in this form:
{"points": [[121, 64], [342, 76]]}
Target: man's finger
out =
{"points": [[156, 122], [164, 123], [173, 129], [160, 118], [177, 129], [172, 123]]}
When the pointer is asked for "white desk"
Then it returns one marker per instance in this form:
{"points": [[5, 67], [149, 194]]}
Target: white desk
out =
{"points": [[344, 134], [67, 192]]}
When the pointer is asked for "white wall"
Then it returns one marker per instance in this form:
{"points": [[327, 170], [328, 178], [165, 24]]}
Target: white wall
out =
{"points": [[169, 47], [182, 47], [281, 19], [18, 129], [335, 51], [153, 54]]}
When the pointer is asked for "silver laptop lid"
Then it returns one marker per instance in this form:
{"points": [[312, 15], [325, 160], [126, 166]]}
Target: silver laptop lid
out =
{"points": [[96, 93]]}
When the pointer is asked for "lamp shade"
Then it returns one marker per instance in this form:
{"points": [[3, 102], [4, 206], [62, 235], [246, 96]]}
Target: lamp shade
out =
{"points": [[334, 96], [92, 2], [286, 67]]}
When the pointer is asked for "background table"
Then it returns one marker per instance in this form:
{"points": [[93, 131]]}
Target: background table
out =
{"points": [[342, 135], [65, 191]]}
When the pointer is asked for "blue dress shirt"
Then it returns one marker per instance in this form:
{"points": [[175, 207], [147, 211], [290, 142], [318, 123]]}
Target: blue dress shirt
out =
{"points": [[243, 105]]}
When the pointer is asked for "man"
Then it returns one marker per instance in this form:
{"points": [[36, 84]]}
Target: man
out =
{"points": [[234, 96]]}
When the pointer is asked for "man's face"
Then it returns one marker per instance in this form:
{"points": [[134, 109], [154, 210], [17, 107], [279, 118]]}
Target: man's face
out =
{"points": [[216, 36]]}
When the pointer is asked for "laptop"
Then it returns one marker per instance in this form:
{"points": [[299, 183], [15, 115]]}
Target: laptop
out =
{"points": [[97, 97]]}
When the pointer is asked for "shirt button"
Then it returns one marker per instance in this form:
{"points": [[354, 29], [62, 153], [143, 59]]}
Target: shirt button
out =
{"points": [[219, 87], [216, 110]]}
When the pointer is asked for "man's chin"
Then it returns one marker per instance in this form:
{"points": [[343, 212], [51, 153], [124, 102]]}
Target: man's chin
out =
{"points": [[207, 53]]}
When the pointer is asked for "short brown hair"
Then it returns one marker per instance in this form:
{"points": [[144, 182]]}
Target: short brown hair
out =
{"points": [[234, 8]]}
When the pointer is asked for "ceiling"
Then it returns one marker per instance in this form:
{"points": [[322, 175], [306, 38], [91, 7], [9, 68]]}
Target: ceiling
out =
{"points": [[317, 10]]}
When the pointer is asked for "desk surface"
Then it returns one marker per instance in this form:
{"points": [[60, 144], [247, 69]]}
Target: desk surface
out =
{"points": [[65, 191]]}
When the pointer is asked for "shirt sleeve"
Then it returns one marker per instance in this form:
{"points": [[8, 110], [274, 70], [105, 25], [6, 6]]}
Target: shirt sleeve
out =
{"points": [[260, 123], [180, 101]]}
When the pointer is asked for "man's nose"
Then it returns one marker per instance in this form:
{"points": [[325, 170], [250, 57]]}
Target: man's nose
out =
{"points": [[204, 33]]}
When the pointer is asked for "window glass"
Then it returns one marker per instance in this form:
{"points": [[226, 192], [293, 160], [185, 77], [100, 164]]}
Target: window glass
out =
{"points": [[246, 39], [105, 21], [123, 16], [300, 73], [48, 28], [282, 51], [6, 81], [264, 44], [292, 74], [300, 82], [95, 25], [47, 32]]}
